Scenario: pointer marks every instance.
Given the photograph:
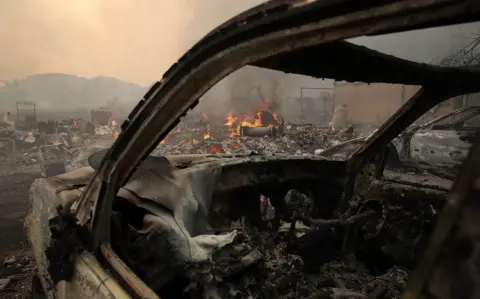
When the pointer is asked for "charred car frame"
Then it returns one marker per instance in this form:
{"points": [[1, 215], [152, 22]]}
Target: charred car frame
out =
{"points": [[130, 224]]}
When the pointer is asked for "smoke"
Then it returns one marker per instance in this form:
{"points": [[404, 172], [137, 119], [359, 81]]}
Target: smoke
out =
{"points": [[135, 41]]}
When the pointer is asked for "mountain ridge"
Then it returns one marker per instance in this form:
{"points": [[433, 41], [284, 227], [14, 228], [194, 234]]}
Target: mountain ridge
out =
{"points": [[58, 91]]}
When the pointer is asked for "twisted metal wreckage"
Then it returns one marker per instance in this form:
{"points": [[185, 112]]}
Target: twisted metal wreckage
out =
{"points": [[133, 225]]}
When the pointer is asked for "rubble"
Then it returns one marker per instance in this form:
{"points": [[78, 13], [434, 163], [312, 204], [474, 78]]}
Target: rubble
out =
{"points": [[64, 141], [9, 261], [5, 282], [15, 277], [53, 142], [296, 139]]}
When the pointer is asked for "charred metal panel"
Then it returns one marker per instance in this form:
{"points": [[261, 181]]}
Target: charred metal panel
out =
{"points": [[43, 203], [442, 148], [45, 196], [381, 67], [90, 281], [450, 267]]}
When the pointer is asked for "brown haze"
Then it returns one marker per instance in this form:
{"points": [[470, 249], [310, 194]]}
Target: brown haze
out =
{"points": [[137, 41], [134, 41]]}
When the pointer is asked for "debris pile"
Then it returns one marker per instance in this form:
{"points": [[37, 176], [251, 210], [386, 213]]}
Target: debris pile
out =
{"points": [[293, 256], [51, 142], [263, 133], [260, 265], [295, 140], [15, 277]]}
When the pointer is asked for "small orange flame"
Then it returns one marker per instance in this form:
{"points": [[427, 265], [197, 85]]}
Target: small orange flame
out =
{"points": [[275, 116], [164, 140], [232, 124], [115, 135], [231, 120], [207, 135]]}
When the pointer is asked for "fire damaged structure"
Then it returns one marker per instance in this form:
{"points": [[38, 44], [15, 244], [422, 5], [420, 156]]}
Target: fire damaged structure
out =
{"points": [[134, 225]]}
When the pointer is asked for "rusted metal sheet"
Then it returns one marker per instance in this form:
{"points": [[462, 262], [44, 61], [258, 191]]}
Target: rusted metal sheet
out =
{"points": [[450, 267]]}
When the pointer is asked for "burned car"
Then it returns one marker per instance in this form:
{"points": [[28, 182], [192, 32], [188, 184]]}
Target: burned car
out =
{"points": [[132, 225], [439, 146], [443, 142]]}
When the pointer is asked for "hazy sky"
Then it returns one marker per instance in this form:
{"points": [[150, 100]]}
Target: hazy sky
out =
{"points": [[137, 41], [131, 40]]}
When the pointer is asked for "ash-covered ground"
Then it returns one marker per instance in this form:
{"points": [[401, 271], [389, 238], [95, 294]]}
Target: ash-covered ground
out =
{"points": [[16, 263], [296, 140]]}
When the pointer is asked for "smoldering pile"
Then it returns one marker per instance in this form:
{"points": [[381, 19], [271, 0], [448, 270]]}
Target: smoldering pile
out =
{"points": [[287, 138]]}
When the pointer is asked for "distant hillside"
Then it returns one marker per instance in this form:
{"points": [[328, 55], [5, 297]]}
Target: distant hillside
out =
{"points": [[62, 92]]}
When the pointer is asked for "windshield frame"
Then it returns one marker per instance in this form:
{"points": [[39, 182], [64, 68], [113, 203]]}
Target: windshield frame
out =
{"points": [[183, 85]]}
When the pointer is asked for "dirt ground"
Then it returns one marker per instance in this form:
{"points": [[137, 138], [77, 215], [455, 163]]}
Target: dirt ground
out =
{"points": [[13, 206]]}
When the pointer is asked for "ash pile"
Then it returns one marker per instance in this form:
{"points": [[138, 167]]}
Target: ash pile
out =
{"points": [[265, 133]]}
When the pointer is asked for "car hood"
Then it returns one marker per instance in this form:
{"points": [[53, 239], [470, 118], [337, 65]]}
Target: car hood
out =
{"points": [[343, 150]]}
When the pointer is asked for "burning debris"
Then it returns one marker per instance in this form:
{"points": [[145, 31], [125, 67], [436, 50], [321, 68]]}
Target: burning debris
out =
{"points": [[259, 131], [263, 118], [263, 134]]}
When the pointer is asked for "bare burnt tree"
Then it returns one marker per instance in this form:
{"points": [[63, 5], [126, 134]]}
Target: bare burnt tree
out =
{"points": [[468, 55]]}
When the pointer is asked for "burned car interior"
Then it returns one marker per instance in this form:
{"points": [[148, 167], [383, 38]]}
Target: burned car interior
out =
{"points": [[255, 226], [236, 226]]}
